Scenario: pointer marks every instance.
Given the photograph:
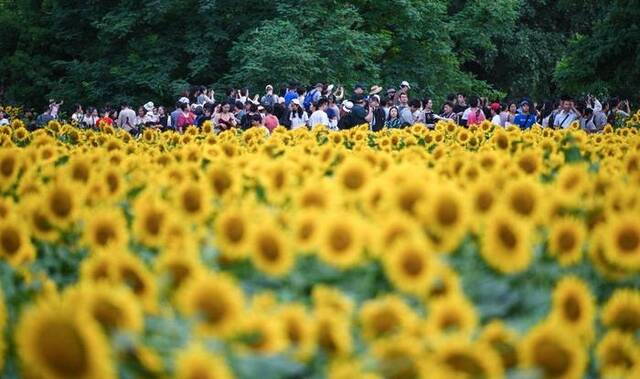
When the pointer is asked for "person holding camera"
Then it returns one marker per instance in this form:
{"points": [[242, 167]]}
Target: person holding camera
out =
{"points": [[567, 114]]}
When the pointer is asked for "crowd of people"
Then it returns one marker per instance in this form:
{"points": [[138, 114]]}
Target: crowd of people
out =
{"points": [[306, 107]]}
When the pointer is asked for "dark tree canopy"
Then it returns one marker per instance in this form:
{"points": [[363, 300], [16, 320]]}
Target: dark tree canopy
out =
{"points": [[109, 51]]}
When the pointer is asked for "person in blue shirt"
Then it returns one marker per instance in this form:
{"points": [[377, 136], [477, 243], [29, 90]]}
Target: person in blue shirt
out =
{"points": [[290, 94], [525, 119]]}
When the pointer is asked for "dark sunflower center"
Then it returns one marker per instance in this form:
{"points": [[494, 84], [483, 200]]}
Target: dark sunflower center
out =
{"points": [[63, 350]]}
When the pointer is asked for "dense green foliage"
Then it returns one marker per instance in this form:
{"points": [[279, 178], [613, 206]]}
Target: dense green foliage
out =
{"points": [[109, 51]]}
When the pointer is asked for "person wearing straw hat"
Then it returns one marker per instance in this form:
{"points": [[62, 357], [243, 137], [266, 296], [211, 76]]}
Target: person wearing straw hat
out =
{"points": [[375, 90]]}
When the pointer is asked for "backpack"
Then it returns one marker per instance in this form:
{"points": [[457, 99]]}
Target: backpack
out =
{"points": [[308, 100]]}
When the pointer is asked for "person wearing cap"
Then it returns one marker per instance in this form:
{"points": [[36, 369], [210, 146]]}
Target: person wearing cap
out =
{"points": [[567, 115], [525, 119], [297, 116], [391, 94], [319, 116], [351, 116], [496, 108], [404, 88], [269, 99], [359, 89]]}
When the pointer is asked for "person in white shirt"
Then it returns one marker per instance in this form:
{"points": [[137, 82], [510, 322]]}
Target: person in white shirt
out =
{"points": [[297, 116], [150, 117], [567, 115], [496, 108], [319, 116], [126, 118], [3, 119]]}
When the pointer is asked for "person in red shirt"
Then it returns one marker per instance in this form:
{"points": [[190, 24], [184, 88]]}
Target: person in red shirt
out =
{"points": [[105, 119], [185, 118], [270, 121]]}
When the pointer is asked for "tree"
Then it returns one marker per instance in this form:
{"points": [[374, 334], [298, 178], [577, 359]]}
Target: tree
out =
{"points": [[606, 61]]}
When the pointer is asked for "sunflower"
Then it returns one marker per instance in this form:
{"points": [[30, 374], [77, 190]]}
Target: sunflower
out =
{"points": [[503, 341], [193, 201], [222, 181], [55, 341], [232, 232], [131, 272], [410, 266], [572, 183], [445, 217], [305, 230], [299, 329], [112, 178], [79, 170], [552, 350], [566, 239], [483, 198], [105, 230], [178, 267], [349, 369], [314, 195], [261, 334], [271, 251], [10, 161], [15, 246], [38, 221], [98, 267], [395, 229], [341, 240], [384, 317], [530, 162], [599, 258], [6, 208], [453, 316], [505, 243], [617, 354], [409, 195], [196, 362], [353, 175], [113, 307], [333, 333], [574, 306], [445, 284], [462, 359], [216, 300], [332, 300], [399, 358], [61, 203], [622, 241], [150, 220], [524, 197], [622, 311]]}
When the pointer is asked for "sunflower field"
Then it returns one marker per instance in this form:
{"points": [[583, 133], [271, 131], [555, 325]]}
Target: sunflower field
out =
{"points": [[415, 253]]}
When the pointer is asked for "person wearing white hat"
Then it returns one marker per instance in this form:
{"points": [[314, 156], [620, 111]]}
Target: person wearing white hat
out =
{"points": [[269, 99], [150, 117], [297, 115]]}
